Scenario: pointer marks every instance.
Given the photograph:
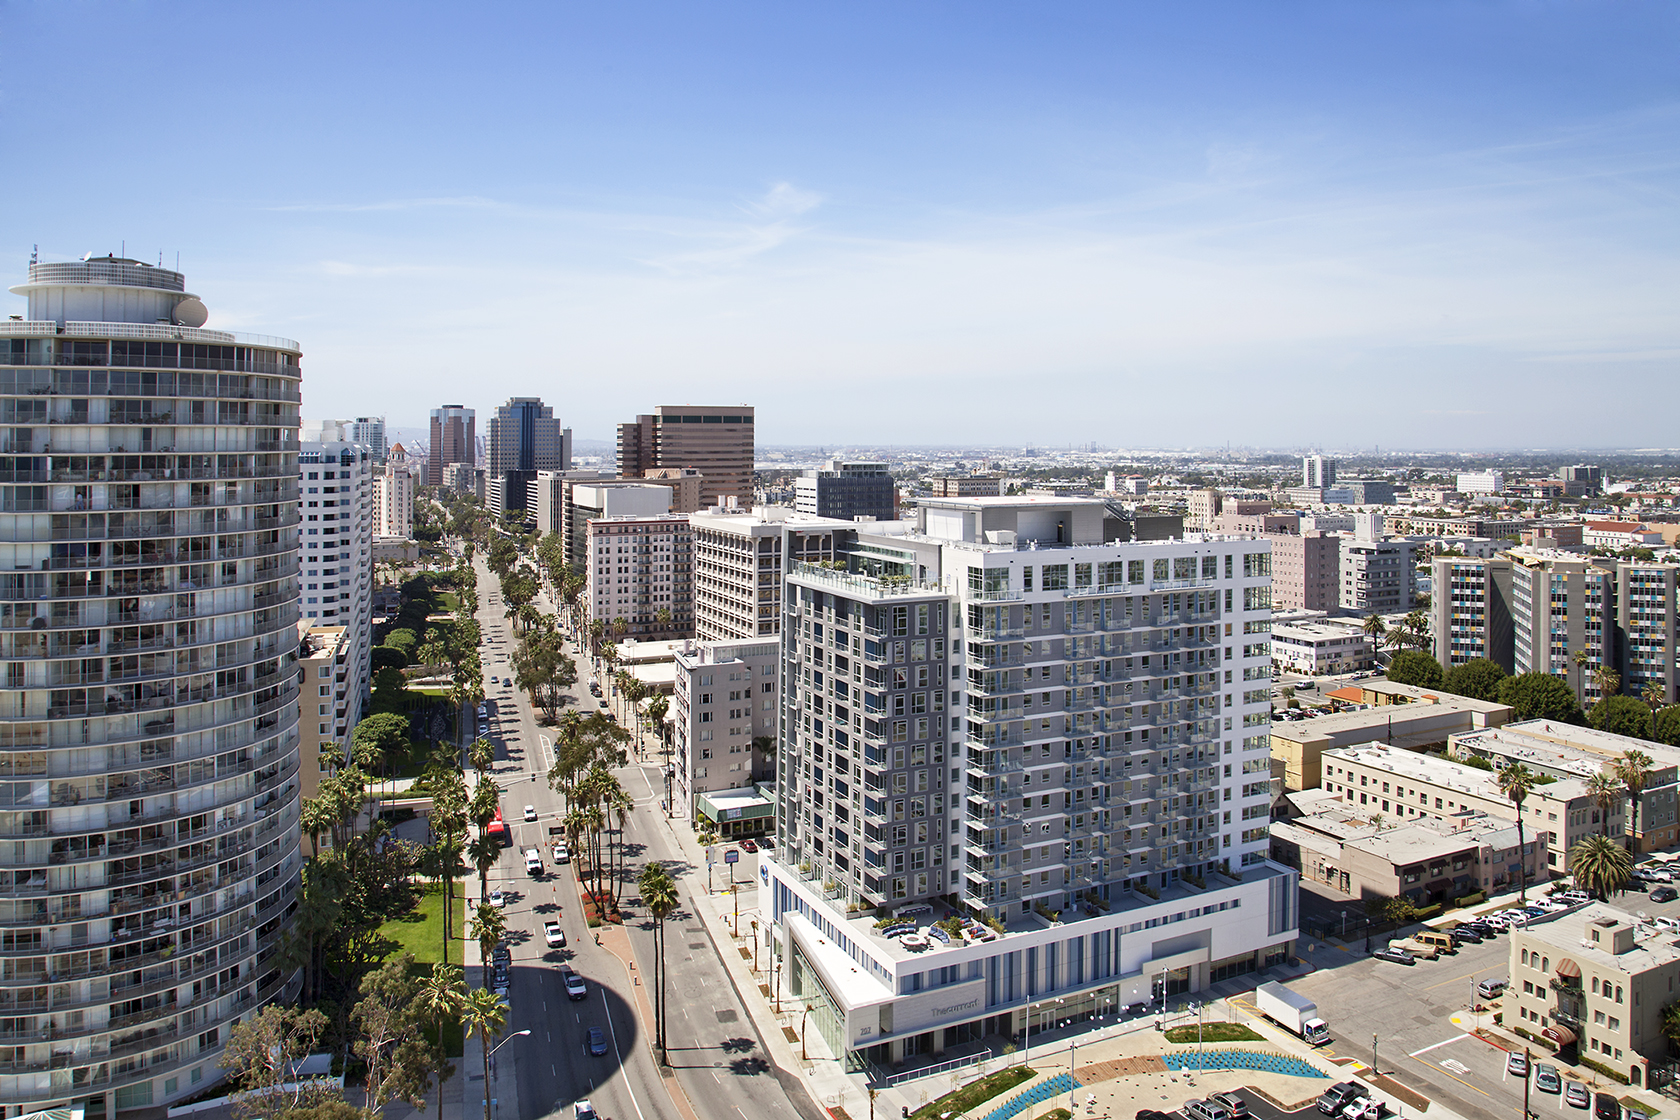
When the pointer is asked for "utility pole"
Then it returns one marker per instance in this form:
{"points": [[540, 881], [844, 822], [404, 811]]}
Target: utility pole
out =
{"points": [[1527, 1081], [1374, 1054]]}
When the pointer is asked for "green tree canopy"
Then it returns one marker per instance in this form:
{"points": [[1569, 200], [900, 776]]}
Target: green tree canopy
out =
{"points": [[389, 657], [1414, 667], [1478, 679], [1539, 696], [1621, 715], [1665, 725], [403, 640]]}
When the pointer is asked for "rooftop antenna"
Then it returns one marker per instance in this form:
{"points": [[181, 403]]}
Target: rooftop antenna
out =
{"points": [[35, 254], [177, 260]]}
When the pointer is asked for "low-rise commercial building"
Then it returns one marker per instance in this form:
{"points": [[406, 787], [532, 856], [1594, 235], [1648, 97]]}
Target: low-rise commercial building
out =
{"points": [[1409, 786], [847, 491], [1397, 715], [1426, 861], [1317, 649], [1595, 983], [1562, 750]]}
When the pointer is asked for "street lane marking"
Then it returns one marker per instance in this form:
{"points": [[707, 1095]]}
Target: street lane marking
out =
{"points": [[1456, 1067], [1438, 1045], [1454, 980]]}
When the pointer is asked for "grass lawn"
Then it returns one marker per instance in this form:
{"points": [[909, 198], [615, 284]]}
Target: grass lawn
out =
{"points": [[1214, 1032], [447, 600], [420, 932], [975, 1092]]}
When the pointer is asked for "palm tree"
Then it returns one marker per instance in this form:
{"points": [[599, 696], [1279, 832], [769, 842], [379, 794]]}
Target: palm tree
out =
{"points": [[1600, 865], [1374, 626], [621, 805], [483, 1013], [488, 925], [1654, 694], [442, 995], [1517, 782], [484, 851], [1606, 789], [659, 895], [663, 617], [1580, 658], [1607, 681], [482, 754], [1633, 769]]}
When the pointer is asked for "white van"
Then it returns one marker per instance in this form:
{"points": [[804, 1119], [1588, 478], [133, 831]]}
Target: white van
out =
{"points": [[533, 862]]}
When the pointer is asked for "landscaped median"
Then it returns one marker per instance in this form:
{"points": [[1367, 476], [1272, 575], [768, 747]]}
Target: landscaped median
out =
{"points": [[1213, 1032], [976, 1092]]}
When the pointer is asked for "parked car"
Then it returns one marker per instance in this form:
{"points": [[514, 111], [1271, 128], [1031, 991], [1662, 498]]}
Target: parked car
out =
{"points": [[1336, 1098], [747, 845], [1462, 934], [767, 843], [1664, 894], [1204, 1110], [1516, 1064], [1235, 1105], [1547, 1079], [554, 935], [1491, 989], [1396, 956], [597, 1041], [1485, 929], [1666, 924], [1606, 1107], [1577, 1095]]}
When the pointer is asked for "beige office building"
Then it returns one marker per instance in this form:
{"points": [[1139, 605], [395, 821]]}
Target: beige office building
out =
{"points": [[1595, 982], [738, 566], [1404, 786]]}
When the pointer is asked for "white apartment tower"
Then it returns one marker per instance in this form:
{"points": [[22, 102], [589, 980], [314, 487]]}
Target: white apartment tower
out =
{"points": [[336, 529], [393, 495], [149, 806], [1068, 736], [1318, 472]]}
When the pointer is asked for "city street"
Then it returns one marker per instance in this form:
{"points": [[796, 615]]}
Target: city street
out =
{"points": [[712, 1042]]}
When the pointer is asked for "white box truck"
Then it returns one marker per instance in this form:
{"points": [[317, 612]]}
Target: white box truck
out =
{"points": [[1293, 1012]]}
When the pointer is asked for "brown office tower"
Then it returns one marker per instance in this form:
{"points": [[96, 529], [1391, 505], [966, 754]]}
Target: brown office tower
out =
{"points": [[454, 440], [714, 440]]}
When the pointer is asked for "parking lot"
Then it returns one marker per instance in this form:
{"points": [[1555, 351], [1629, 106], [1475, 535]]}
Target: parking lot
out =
{"points": [[1416, 1018]]}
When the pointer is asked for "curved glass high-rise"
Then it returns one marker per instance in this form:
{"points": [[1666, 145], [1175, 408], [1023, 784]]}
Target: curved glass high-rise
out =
{"points": [[148, 714]]}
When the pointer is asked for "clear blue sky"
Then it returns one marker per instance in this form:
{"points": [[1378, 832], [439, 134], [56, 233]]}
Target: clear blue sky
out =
{"points": [[1144, 224]]}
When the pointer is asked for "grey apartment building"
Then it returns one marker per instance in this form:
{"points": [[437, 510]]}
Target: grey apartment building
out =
{"points": [[1068, 736], [149, 808]]}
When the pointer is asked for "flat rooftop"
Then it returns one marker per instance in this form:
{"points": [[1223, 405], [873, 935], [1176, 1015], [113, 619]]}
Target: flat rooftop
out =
{"points": [[1447, 774], [1562, 746], [1571, 936]]}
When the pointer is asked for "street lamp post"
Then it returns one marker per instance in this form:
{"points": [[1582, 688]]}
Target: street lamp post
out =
{"points": [[1344, 925], [1072, 1084], [490, 1054], [1374, 1068]]}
